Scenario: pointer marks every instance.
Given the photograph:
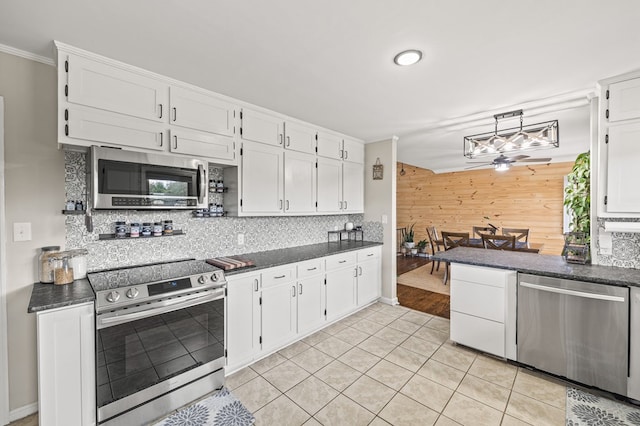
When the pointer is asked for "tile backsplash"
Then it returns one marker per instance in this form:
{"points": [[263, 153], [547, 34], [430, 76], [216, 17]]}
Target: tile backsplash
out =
{"points": [[203, 237], [625, 246]]}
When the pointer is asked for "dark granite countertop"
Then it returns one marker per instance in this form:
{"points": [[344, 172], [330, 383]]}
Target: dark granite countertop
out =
{"points": [[542, 264], [50, 296], [271, 258]]}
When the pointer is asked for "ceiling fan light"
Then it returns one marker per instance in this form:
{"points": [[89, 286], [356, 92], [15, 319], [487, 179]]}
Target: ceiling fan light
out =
{"points": [[502, 167]]}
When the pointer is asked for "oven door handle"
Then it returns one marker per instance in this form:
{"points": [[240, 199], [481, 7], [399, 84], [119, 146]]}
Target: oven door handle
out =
{"points": [[202, 184], [160, 308]]}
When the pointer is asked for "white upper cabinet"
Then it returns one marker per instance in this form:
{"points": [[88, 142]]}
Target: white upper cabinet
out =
{"points": [[353, 187], [299, 137], [201, 111], [98, 85], [329, 145], [353, 151], [329, 186], [624, 100], [299, 183], [262, 185], [261, 127], [211, 145], [618, 149]]}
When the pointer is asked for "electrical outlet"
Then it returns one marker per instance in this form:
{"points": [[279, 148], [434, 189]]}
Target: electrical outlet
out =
{"points": [[22, 231], [240, 239], [384, 219]]}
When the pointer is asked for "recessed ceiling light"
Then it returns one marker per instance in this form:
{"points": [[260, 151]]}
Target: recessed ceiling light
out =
{"points": [[408, 57]]}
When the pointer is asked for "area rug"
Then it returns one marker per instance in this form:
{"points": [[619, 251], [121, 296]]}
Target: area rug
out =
{"points": [[586, 409], [422, 278], [222, 409]]}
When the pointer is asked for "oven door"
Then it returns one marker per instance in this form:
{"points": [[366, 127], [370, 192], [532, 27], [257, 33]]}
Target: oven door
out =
{"points": [[145, 352]]}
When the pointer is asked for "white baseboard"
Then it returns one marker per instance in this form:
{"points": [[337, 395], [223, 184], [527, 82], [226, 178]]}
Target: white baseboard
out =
{"points": [[388, 301], [24, 411]]}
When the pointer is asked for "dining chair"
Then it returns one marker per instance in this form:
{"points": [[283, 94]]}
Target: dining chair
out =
{"points": [[478, 230], [436, 245], [521, 234], [399, 234], [498, 242], [452, 240]]}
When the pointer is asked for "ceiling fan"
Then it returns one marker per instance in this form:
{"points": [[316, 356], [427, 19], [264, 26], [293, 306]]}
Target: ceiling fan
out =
{"points": [[502, 162]]}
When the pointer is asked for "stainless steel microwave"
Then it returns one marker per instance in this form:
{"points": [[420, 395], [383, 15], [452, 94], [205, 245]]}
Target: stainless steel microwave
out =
{"points": [[119, 179]]}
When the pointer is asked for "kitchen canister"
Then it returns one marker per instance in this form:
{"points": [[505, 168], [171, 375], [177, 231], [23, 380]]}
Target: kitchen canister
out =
{"points": [[45, 265], [135, 230], [147, 229], [157, 229], [79, 263], [121, 229], [168, 227]]}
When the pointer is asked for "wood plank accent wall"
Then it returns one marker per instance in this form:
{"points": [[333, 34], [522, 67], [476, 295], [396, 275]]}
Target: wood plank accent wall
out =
{"points": [[522, 197]]}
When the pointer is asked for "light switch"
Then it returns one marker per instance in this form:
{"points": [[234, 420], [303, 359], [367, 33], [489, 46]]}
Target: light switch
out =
{"points": [[240, 239], [22, 231], [384, 219]]}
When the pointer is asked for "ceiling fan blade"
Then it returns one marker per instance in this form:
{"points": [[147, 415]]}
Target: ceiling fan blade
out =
{"points": [[518, 157], [479, 165], [479, 162], [535, 160]]}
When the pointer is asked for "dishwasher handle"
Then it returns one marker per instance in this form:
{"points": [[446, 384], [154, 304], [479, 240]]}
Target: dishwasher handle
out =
{"points": [[573, 292]]}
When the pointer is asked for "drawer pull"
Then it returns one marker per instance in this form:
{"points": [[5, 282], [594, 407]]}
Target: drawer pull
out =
{"points": [[341, 261], [370, 254], [279, 276], [300, 290], [312, 269]]}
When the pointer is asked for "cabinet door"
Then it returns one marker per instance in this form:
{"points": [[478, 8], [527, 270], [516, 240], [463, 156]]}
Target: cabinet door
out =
{"points": [[299, 183], [623, 172], [243, 319], [200, 111], [353, 151], [353, 187], [262, 189], [278, 315], [94, 127], [202, 144], [369, 283], [329, 185], [624, 100], [299, 137], [260, 127], [329, 145], [66, 366], [110, 88], [311, 303], [341, 292]]}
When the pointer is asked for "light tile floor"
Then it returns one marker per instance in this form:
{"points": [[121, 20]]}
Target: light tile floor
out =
{"points": [[392, 365]]}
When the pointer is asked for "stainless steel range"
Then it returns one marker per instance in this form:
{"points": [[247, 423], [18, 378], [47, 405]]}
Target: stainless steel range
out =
{"points": [[160, 338]]}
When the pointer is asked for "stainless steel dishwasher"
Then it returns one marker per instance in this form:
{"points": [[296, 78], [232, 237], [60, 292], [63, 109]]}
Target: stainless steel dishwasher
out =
{"points": [[574, 329]]}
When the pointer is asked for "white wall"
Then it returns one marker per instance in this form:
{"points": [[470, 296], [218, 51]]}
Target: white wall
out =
{"points": [[379, 201], [34, 176]]}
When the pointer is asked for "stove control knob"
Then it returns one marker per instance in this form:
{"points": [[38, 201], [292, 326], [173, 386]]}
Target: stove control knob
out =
{"points": [[201, 279], [132, 293], [214, 277], [113, 296]]}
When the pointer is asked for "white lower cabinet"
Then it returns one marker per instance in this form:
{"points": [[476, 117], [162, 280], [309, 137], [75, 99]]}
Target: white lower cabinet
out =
{"points": [[243, 319], [270, 309], [482, 309], [66, 366]]}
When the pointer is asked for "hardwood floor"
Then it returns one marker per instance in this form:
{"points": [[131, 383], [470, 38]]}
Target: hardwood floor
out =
{"points": [[416, 298]]}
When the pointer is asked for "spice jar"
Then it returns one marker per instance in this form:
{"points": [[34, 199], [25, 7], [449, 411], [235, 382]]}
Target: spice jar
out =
{"points": [[121, 229], [135, 230], [45, 268], [157, 229], [168, 227], [63, 272], [146, 229]]}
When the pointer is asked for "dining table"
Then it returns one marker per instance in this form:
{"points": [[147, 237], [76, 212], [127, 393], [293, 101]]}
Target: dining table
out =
{"points": [[520, 245]]}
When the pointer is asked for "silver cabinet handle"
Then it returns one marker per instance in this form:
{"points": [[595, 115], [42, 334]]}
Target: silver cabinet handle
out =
{"points": [[312, 269], [160, 105], [175, 114], [161, 138], [342, 153], [300, 290], [287, 205], [288, 140], [175, 139], [345, 203], [255, 282], [293, 293], [573, 292], [280, 137], [279, 276], [360, 268], [341, 261], [355, 270], [346, 154], [340, 205], [370, 254], [279, 204]]}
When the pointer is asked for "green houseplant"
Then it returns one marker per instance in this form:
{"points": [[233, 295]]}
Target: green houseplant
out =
{"points": [[577, 200], [422, 246], [407, 237]]}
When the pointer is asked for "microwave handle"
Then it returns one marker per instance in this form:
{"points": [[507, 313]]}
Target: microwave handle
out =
{"points": [[202, 183]]}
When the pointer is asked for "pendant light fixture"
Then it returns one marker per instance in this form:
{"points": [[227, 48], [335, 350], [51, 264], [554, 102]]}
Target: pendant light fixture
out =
{"points": [[529, 137], [402, 172]]}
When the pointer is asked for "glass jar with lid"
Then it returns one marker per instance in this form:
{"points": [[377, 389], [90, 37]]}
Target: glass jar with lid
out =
{"points": [[45, 268], [62, 270]]}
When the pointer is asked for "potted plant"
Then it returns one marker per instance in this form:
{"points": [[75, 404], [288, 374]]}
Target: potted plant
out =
{"points": [[577, 200], [407, 237], [422, 246]]}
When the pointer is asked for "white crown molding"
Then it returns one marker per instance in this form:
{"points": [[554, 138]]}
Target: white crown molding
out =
{"points": [[27, 55]]}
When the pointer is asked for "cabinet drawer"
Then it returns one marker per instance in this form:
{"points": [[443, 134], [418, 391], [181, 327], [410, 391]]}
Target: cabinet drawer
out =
{"points": [[368, 254], [310, 267], [342, 260], [478, 274], [279, 275], [478, 333], [480, 300]]}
